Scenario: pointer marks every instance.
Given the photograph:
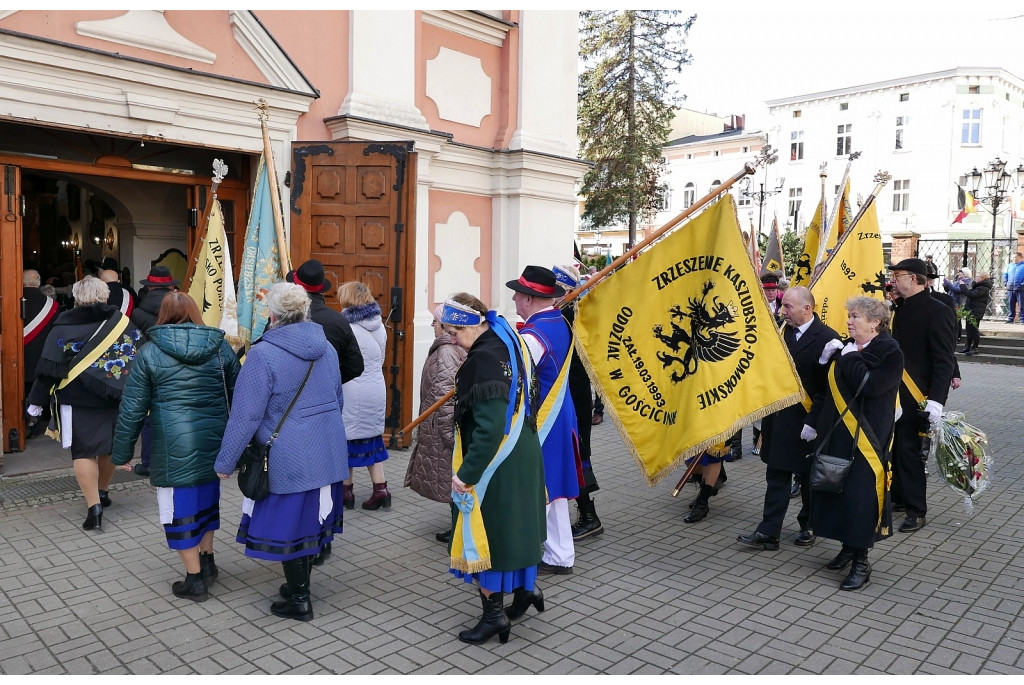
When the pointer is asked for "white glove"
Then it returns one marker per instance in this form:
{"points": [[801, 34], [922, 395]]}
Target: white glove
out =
{"points": [[35, 410], [808, 433], [831, 347], [934, 410], [899, 412], [850, 347]]}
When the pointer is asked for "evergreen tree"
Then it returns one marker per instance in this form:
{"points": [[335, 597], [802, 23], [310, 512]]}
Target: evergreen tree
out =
{"points": [[626, 104]]}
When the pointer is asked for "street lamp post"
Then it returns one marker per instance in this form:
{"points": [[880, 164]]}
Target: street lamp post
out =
{"points": [[997, 186], [760, 197]]}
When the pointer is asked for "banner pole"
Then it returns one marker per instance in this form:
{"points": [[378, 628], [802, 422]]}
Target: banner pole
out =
{"points": [[275, 193], [220, 170]]}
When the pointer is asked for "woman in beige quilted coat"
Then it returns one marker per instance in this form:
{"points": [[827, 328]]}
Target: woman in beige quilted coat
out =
{"points": [[430, 466]]}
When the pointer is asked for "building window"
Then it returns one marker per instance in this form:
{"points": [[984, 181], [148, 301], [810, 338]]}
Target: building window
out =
{"points": [[970, 132], [904, 97], [743, 200], [901, 195], [795, 198], [843, 106], [974, 90], [689, 195], [716, 153], [843, 142], [796, 145], [665, 201], [796, 113], [902, 124]]}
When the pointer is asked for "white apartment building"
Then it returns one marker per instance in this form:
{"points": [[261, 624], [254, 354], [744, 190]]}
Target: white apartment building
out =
{"points": [[929, 131]]}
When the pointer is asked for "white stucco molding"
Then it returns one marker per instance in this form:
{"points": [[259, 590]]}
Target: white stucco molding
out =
{"points": [[476, 25], [457, 246], [146, 29], [460, 88], [131, 97], [264, 52]]}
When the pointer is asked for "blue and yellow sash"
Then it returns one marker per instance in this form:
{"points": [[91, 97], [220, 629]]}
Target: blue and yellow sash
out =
{"points": [[470, 551], [552, 405]]}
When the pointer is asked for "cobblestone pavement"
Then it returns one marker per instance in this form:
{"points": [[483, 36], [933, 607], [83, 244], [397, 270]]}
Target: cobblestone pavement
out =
{"points": [[650, 595]]}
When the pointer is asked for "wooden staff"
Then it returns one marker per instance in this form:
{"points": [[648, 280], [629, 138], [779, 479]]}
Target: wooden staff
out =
{"points": [[881, 178], [748, 169], [827, 229], [686, 476], [275, 193], [220, 170]]}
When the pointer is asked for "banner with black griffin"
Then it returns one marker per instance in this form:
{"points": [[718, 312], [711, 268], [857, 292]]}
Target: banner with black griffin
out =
{"points": [[683, 345]]}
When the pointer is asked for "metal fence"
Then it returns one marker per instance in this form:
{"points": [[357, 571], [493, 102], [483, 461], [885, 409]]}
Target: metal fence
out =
{"points": [[980, 255]]}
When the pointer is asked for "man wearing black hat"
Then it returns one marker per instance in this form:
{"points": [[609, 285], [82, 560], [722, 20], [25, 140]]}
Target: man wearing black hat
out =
{"points": [[925, 328], [310, 275], [547, 335], [157, 284]]}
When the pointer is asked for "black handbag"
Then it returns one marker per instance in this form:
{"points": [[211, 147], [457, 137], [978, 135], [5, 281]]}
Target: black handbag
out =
{"points": [[253, 473], [828, 472]]}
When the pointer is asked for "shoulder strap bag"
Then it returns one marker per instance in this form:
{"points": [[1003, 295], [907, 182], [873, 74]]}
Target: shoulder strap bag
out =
{"points": [[253, 474], [828, 472]]}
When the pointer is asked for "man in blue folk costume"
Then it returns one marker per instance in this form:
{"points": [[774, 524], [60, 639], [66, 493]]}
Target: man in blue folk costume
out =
{"points": [[549, 339]]}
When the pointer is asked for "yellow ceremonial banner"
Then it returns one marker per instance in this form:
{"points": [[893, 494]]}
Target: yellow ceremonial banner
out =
{"points": [[857, 267], [805, 265], [207, 287], [683, 345]]}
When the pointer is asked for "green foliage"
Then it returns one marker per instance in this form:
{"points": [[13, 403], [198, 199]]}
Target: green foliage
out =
{"points": [[626, 105], [964, 314]]}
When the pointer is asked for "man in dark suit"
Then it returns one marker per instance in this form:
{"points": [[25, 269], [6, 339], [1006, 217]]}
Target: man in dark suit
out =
{"points": [[925, 328], [783, 434]]}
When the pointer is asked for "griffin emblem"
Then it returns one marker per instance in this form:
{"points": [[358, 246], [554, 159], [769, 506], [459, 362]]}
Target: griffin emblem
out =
{"points": [[876, 286], [705, 341]]}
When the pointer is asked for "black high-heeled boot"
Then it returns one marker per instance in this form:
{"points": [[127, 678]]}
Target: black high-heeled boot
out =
{"points": [[842, 559], [105, 498], [322, 555], [297, 606], [522, 600], [700, 509], [860, 573], [193, 587], [94, 517], [492, 622]]}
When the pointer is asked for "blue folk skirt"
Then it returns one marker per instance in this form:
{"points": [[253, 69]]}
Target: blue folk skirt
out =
{"points": [[189, 513], [286, 527], [501, 581], [366, 451]]}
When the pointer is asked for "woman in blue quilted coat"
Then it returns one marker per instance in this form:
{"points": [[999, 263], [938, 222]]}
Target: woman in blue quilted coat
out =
{"points": [[308, 460], [182, 378]]}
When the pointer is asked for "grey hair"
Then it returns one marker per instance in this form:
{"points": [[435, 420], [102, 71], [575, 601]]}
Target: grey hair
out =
{"points": [[870, 308], [89, 290], [289, 303], [30, 278]]}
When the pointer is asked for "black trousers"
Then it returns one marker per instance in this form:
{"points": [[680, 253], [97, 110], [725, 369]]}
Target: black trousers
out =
{"points": [[909, 482], [776, 501], [973, 335]]}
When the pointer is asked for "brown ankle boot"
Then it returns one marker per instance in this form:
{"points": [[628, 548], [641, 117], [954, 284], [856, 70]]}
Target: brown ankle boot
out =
{"points": [[348, 496], [381, 497]]}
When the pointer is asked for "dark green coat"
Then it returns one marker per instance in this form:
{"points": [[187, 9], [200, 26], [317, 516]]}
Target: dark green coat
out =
{"points": [[178, 380], [513, 507]]}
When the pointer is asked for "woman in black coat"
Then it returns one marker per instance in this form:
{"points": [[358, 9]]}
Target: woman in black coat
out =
{"points": [[861, 514], [978, 296]]}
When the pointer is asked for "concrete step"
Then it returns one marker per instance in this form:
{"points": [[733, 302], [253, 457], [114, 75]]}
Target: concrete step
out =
{"points": [[995, 350]]}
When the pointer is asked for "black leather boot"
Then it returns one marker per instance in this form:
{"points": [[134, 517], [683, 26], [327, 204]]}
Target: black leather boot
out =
{"points": [[193, 587], [105, 498], [322, 555], [297, 606], [587, 524], [842, 559], [207, 568], [492, 622], [522, 600], [699, 510], [93, 517], [860, 574]]}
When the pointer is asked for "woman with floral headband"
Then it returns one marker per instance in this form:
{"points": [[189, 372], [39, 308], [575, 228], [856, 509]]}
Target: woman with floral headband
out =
{"points": [[81, 373], [498, 471]]}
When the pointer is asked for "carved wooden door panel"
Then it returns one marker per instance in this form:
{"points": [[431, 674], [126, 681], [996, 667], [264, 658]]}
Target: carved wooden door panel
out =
{"points": [[352, 208], [12, 354]]}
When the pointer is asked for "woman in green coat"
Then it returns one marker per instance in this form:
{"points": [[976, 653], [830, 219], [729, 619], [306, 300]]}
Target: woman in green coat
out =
{"points": [[498, 471], [183, 378]]}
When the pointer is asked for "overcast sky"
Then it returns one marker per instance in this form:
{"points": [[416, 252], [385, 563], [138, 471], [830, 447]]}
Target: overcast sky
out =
{"points": [[747, 52]]}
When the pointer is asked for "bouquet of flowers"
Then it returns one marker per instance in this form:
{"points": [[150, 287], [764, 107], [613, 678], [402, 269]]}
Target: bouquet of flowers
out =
{"points": [[959, 450]]}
